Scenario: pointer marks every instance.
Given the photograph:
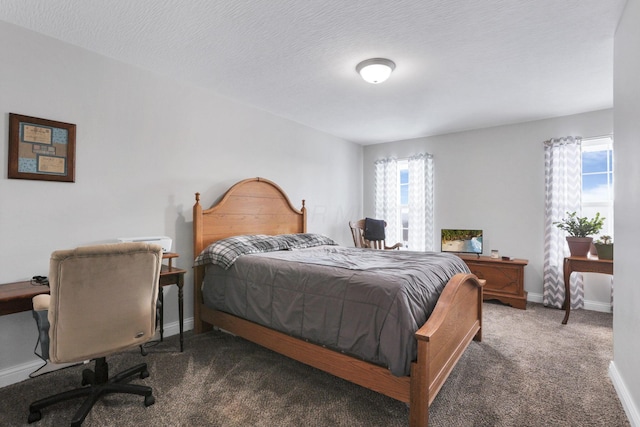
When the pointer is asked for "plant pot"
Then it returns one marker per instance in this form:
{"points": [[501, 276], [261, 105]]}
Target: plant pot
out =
{"points": [[605, 251], [579, 246]]}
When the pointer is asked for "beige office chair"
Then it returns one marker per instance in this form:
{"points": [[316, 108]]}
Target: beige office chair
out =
{"points": [[376, 238], [102, 301]]}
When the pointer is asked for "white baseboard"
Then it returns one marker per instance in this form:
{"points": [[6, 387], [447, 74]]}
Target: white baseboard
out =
{"points": [[533, 297], [625, 398], [173, 328], [598, 306], [588, 305], [17, 373]]}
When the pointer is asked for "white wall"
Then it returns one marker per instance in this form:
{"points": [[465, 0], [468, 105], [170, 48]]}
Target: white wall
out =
{"points": [[626, 312], [493, 179], [145, 145]]}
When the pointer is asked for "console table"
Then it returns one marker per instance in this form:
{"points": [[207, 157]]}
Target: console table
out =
{"points": [[16, 297], [588, 264], [505, 278]]}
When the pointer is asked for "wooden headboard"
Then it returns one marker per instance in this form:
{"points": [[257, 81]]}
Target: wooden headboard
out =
{"points": [[252, 206]]}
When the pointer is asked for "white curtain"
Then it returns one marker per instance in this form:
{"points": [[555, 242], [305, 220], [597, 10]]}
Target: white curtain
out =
{"points": [[563, 191], [421, 202], [386, 186]]}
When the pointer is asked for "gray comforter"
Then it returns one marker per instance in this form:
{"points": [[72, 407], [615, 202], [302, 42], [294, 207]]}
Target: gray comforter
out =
{"points": [[363, 302]]}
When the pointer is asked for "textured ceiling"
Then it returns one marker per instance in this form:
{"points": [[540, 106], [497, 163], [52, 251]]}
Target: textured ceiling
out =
{"points": [[460, 64]]}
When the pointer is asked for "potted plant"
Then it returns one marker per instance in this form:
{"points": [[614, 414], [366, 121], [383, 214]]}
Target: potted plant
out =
{"points": [[604, 246], [580, 230]]}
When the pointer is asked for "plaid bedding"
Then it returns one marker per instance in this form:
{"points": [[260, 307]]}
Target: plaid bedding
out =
{"points": [[225, 252]]}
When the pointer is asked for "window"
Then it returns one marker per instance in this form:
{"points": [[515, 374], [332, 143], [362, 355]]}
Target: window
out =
{"points": [[597, 180], [403, 205], [404, 198]]}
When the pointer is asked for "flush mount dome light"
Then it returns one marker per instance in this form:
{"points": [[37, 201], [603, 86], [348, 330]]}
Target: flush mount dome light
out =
{"points": [[375, 70]]}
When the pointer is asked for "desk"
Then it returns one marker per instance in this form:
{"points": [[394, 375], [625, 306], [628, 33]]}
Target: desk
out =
{"points": [[586, 264], [16, 297]]}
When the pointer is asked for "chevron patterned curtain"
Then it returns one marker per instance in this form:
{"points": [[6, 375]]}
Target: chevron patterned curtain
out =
{"points": [[386, 188], [421, 202], [563, 188]]}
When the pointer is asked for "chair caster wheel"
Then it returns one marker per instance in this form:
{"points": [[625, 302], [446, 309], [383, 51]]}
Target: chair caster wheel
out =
{"points": [[88, 377], [149, 400], [34, 416], [144, 374]]}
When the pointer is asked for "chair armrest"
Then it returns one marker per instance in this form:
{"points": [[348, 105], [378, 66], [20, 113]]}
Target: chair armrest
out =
{"points": [[396, 246]]}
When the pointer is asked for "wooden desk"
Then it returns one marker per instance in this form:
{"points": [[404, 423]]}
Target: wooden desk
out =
{"points": [[587, 264], [16, 297]]}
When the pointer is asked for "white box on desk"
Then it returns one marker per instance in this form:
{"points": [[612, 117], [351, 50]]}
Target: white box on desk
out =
{"points": [[163, 241]]}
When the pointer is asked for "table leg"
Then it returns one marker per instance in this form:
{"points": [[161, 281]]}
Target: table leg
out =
{"points": [[181, 310], [567, 291]]}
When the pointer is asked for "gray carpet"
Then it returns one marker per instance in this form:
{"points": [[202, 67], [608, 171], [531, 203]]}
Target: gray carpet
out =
{"points": [[528, 371]]}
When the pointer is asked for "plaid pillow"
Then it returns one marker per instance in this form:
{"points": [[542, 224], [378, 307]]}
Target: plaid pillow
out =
{"points": [[306, 240], [225, 252]]}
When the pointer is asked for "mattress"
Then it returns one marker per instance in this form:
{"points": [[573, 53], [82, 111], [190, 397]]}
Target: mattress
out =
{"points": [[365, 303]]}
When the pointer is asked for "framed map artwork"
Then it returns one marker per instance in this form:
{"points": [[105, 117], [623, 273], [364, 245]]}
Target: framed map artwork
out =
{"points": [[41, 149]]}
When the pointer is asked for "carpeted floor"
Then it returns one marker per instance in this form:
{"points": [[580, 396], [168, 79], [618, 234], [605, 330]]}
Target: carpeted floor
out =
{"points": [[529, 371]]}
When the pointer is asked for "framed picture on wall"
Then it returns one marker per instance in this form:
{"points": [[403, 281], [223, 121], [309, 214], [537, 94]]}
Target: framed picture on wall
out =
{"points": [[41, 149]]}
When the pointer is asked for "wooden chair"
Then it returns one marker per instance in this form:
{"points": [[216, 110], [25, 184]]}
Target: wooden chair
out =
{"points": [[357, 231]]}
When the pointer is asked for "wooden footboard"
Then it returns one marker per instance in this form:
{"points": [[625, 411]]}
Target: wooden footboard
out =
{"points": [[454, 323], [456, 320]]}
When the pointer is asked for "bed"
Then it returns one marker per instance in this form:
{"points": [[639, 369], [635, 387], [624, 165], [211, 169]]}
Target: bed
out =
{"points": [[258, 206]]}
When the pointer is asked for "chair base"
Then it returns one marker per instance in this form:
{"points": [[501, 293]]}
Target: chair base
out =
{"points": [[99, 384]]}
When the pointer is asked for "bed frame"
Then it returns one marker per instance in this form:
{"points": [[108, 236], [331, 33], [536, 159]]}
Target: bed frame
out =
{"points": [[259, 206]]}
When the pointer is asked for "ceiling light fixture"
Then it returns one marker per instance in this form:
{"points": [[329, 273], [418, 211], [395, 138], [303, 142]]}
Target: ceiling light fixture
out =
{"points": [[375, 70]]}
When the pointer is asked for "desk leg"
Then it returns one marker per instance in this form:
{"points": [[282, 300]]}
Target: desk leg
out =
{"points": [[567, 290], [181, 310]]}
